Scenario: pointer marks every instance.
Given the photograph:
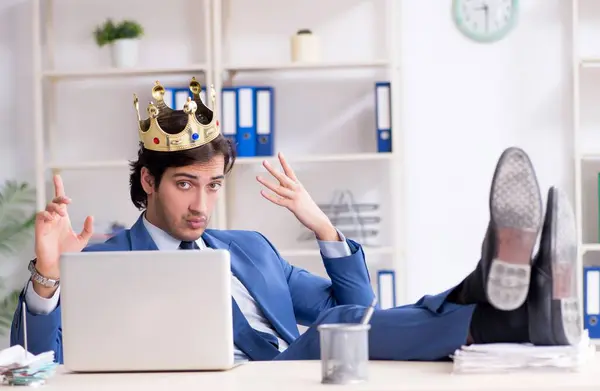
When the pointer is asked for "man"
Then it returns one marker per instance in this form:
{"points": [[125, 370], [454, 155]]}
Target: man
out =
{"points": [[183, 160]]}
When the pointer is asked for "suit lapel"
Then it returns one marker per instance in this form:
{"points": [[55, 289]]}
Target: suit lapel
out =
{"points": [[140, 238], [244, 268]]}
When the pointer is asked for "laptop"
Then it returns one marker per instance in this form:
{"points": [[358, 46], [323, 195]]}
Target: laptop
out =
{"points": [[146, 311]]}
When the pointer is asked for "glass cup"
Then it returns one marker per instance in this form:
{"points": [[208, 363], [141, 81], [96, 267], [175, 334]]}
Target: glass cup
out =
{"points": [[344, 352]]}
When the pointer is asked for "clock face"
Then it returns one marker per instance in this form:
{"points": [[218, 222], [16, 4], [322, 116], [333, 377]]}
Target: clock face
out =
{"points": [[485, 20]]}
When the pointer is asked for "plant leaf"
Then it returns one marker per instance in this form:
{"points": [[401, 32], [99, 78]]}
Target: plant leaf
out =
{"points": [[17, 216], [17, 219], [8, 307]]}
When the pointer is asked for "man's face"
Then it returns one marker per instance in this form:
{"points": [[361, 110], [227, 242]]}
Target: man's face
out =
{"points": [[185, 198]]}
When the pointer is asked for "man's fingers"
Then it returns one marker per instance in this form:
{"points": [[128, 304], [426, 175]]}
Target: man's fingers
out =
{"points": [[286, 168], [59, 189], [61, 200], [58, 205], [44, 216], [279, 190], [88, 229], [56, 208], [283, 179]]}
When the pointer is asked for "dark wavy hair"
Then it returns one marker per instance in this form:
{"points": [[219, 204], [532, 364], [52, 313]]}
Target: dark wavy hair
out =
{"points": [[158, 162]]}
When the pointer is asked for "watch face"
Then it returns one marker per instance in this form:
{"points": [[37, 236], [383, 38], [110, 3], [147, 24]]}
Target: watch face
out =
{"points": [[485, 20]]}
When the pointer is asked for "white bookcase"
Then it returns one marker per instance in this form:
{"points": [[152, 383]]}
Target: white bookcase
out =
{"points": [[85, 125]]}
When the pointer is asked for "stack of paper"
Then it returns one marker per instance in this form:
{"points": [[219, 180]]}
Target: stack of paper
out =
{"points": [[19, 367], [506, 357]]}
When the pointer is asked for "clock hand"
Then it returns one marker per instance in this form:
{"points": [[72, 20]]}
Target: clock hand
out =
{"points": [[487, 19]]}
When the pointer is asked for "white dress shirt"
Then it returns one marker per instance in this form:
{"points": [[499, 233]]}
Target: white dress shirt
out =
{"points": [[39, 305]]}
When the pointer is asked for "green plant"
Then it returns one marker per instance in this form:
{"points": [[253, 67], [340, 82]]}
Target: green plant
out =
{"points": [[110, 31], [8, 305], [17, 220]]}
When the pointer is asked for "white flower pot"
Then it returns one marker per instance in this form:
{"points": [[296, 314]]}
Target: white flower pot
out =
{"points": [[124, 53]]}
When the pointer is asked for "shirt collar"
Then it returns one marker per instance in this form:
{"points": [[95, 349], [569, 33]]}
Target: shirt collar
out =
{"points": [[163, 240]]}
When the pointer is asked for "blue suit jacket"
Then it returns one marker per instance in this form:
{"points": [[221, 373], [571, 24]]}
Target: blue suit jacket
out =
{"points": [[287, 295]]}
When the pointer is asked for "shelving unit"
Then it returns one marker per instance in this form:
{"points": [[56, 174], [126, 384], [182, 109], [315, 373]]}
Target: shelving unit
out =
{"points": [[102, 73], [304, 66], [217, 68], [48, 77], [586, 76]]}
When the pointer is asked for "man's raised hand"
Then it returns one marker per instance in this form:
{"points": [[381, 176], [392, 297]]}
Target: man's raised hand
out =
{"points": [[54, 234]]}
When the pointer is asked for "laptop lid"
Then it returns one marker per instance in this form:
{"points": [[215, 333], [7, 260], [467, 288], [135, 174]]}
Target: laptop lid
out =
{"points": [[147, 310]]}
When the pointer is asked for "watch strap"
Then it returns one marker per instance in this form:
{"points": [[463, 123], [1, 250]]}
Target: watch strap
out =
{"points": [[37, 277]]}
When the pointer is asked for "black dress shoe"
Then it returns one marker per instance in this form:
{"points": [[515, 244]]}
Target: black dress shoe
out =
{"points": [[491, 325], [554, 314], [501, 278]]}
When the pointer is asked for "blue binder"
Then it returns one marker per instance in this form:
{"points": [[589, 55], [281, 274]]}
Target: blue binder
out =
{"points": [[229, 114], [591, 300], [386, 289], [169, 96], [246, 121], [383, 116], [180, 96], [265, 121]]}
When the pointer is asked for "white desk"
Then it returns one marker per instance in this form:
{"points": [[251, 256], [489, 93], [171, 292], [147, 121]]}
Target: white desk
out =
{"points": [[306, 376]]}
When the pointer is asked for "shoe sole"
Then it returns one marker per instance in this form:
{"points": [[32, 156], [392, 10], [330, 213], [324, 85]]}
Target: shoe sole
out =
{"points": [[516, 213], [565, 315]]}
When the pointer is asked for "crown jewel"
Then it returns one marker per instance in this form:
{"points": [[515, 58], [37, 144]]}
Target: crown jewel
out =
{"points": [[191, 127]]}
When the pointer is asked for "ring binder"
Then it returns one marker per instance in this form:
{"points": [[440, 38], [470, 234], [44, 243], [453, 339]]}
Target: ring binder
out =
{"points": [[591, 300]]}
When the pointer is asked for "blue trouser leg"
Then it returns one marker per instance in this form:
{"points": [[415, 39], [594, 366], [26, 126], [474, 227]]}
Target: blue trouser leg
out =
{"points": [[429, 330]]}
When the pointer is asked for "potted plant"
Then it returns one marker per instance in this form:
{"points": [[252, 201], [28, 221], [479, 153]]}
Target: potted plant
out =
{"points": [[17, 221], [123, 38]]}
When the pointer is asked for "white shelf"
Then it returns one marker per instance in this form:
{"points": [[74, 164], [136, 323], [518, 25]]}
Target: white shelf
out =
{"points": [[589, 156], [116, 72], [591, 247], [317, 158], [107, 164], [305, 66], [590, 62], [369, 251], [100, 164]]}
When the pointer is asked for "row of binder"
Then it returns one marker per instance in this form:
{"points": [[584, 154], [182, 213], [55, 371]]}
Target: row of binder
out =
{"points": [[248, 116]]}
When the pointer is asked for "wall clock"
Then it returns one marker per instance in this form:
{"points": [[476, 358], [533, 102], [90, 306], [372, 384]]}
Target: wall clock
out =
{"points": [[485, 20]]}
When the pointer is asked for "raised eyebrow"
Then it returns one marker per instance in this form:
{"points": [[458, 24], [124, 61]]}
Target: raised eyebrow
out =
{"points": [[185, 175]]}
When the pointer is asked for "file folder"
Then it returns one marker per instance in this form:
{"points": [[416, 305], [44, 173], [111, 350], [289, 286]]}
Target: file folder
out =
{"points": [[229, 114], [265, 121], [169, 96], [383, 116], [181, 95], [591, 300], [246, 122], [386, 289]]}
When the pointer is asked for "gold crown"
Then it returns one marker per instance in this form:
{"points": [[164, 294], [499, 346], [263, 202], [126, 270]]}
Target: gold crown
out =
{"points": [[199, 125]]}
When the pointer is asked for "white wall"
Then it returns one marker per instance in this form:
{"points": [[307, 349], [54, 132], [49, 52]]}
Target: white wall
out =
{"points": [[462, 104], [15, 77], [16, 160]]}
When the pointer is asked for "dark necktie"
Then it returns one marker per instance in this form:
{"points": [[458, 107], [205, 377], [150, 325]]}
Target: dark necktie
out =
{"points": [[185, 245], [256, 344]]}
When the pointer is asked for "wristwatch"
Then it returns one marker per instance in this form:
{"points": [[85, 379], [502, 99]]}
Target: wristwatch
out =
{"points": [[37, 277]]}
